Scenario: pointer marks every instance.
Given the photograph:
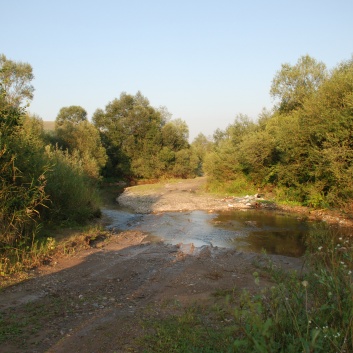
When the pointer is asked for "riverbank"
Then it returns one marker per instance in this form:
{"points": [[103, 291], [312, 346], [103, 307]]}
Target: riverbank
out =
{"points": [[102, 298], [190, 195]]}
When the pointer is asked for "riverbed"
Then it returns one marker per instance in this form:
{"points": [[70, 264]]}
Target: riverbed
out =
{"points": [[181, 213]]}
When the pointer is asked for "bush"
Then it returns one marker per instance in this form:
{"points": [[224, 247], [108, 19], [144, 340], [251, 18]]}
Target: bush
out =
{"points": [[72, 194], [22, 194]]}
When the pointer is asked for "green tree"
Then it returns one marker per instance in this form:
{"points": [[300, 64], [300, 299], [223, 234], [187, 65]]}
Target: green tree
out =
{"points": [[223, 162], [76, 134], [200, 146], [313, 143], [15, 78], [256, 155], [131, 132], [242, 126], [142, 142], [328, 122], [175, 135], [292, 85], [186, 164], [73, 114]]}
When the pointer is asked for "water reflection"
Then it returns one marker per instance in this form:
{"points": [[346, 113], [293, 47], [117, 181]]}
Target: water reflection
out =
{"points": [[272, 232], [250, 230]]}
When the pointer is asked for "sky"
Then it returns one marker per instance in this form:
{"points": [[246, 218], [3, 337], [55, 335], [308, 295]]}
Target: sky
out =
{"points": [[205, 61]]}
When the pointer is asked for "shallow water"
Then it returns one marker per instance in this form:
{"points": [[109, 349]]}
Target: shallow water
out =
{"points": [[250, 230]]}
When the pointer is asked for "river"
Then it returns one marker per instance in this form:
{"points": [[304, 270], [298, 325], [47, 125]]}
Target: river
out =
{"points": [[247, 230]]}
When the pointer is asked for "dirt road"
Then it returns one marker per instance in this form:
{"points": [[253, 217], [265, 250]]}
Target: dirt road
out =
{"points": [[102, 298]]}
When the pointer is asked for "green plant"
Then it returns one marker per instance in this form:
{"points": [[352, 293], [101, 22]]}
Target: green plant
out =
{"points": [[187, 333], [73, 196], [240, 186], [308, 313]]}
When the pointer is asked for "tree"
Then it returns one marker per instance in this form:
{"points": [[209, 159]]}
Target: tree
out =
{"points": [[242, 125], [15, 79], [73, 114], [328, 122], [131, 132], [175, 134], [142, 142], [292, 85], [186, 164], [200, 146], [222, 163], [76, 134]]}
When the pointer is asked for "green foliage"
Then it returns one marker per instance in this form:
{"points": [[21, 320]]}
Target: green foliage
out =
{"points": [[140, 143], [175, 135], [72, 115], [38, 186], [83, 138], [186, 164], [222, 163], [15, 78], [256, 155], [304, 147], [22, 190], [131, 134], [315, 143], [73, 195], [293, 85], [201, 145]]}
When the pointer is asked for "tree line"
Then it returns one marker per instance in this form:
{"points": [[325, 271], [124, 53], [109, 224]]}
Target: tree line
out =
{"points": [[53, 177], [300, 150]]}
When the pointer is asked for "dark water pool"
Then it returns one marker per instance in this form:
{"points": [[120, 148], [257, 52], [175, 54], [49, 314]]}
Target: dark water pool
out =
{"points": [[250, 230]]}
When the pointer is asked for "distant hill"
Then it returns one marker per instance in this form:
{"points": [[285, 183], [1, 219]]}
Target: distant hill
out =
{"points": [[49, 125]]}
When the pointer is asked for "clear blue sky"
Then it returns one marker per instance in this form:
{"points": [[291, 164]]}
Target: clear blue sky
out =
{"points": [[206, 61]]}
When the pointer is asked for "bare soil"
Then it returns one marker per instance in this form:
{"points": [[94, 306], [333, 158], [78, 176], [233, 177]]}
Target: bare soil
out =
{"points": [[102, 299]]}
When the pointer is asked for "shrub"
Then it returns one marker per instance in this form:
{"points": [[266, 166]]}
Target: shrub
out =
{"points": [[72, 194]]}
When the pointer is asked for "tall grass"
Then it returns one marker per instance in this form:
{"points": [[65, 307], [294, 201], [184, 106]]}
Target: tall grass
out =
{"points": [[57, 192], [20, 199]]}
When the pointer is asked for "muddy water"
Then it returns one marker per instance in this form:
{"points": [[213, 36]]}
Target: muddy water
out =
{"points": [[250, 230]]}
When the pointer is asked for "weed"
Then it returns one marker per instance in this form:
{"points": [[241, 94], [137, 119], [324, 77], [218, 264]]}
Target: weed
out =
{"points": [[238, 187], [189, 332]]}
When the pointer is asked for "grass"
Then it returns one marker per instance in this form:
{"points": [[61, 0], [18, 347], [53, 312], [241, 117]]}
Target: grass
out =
{"points": [[21, 326], [191, 332], [237, 187], [52, 242]]}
